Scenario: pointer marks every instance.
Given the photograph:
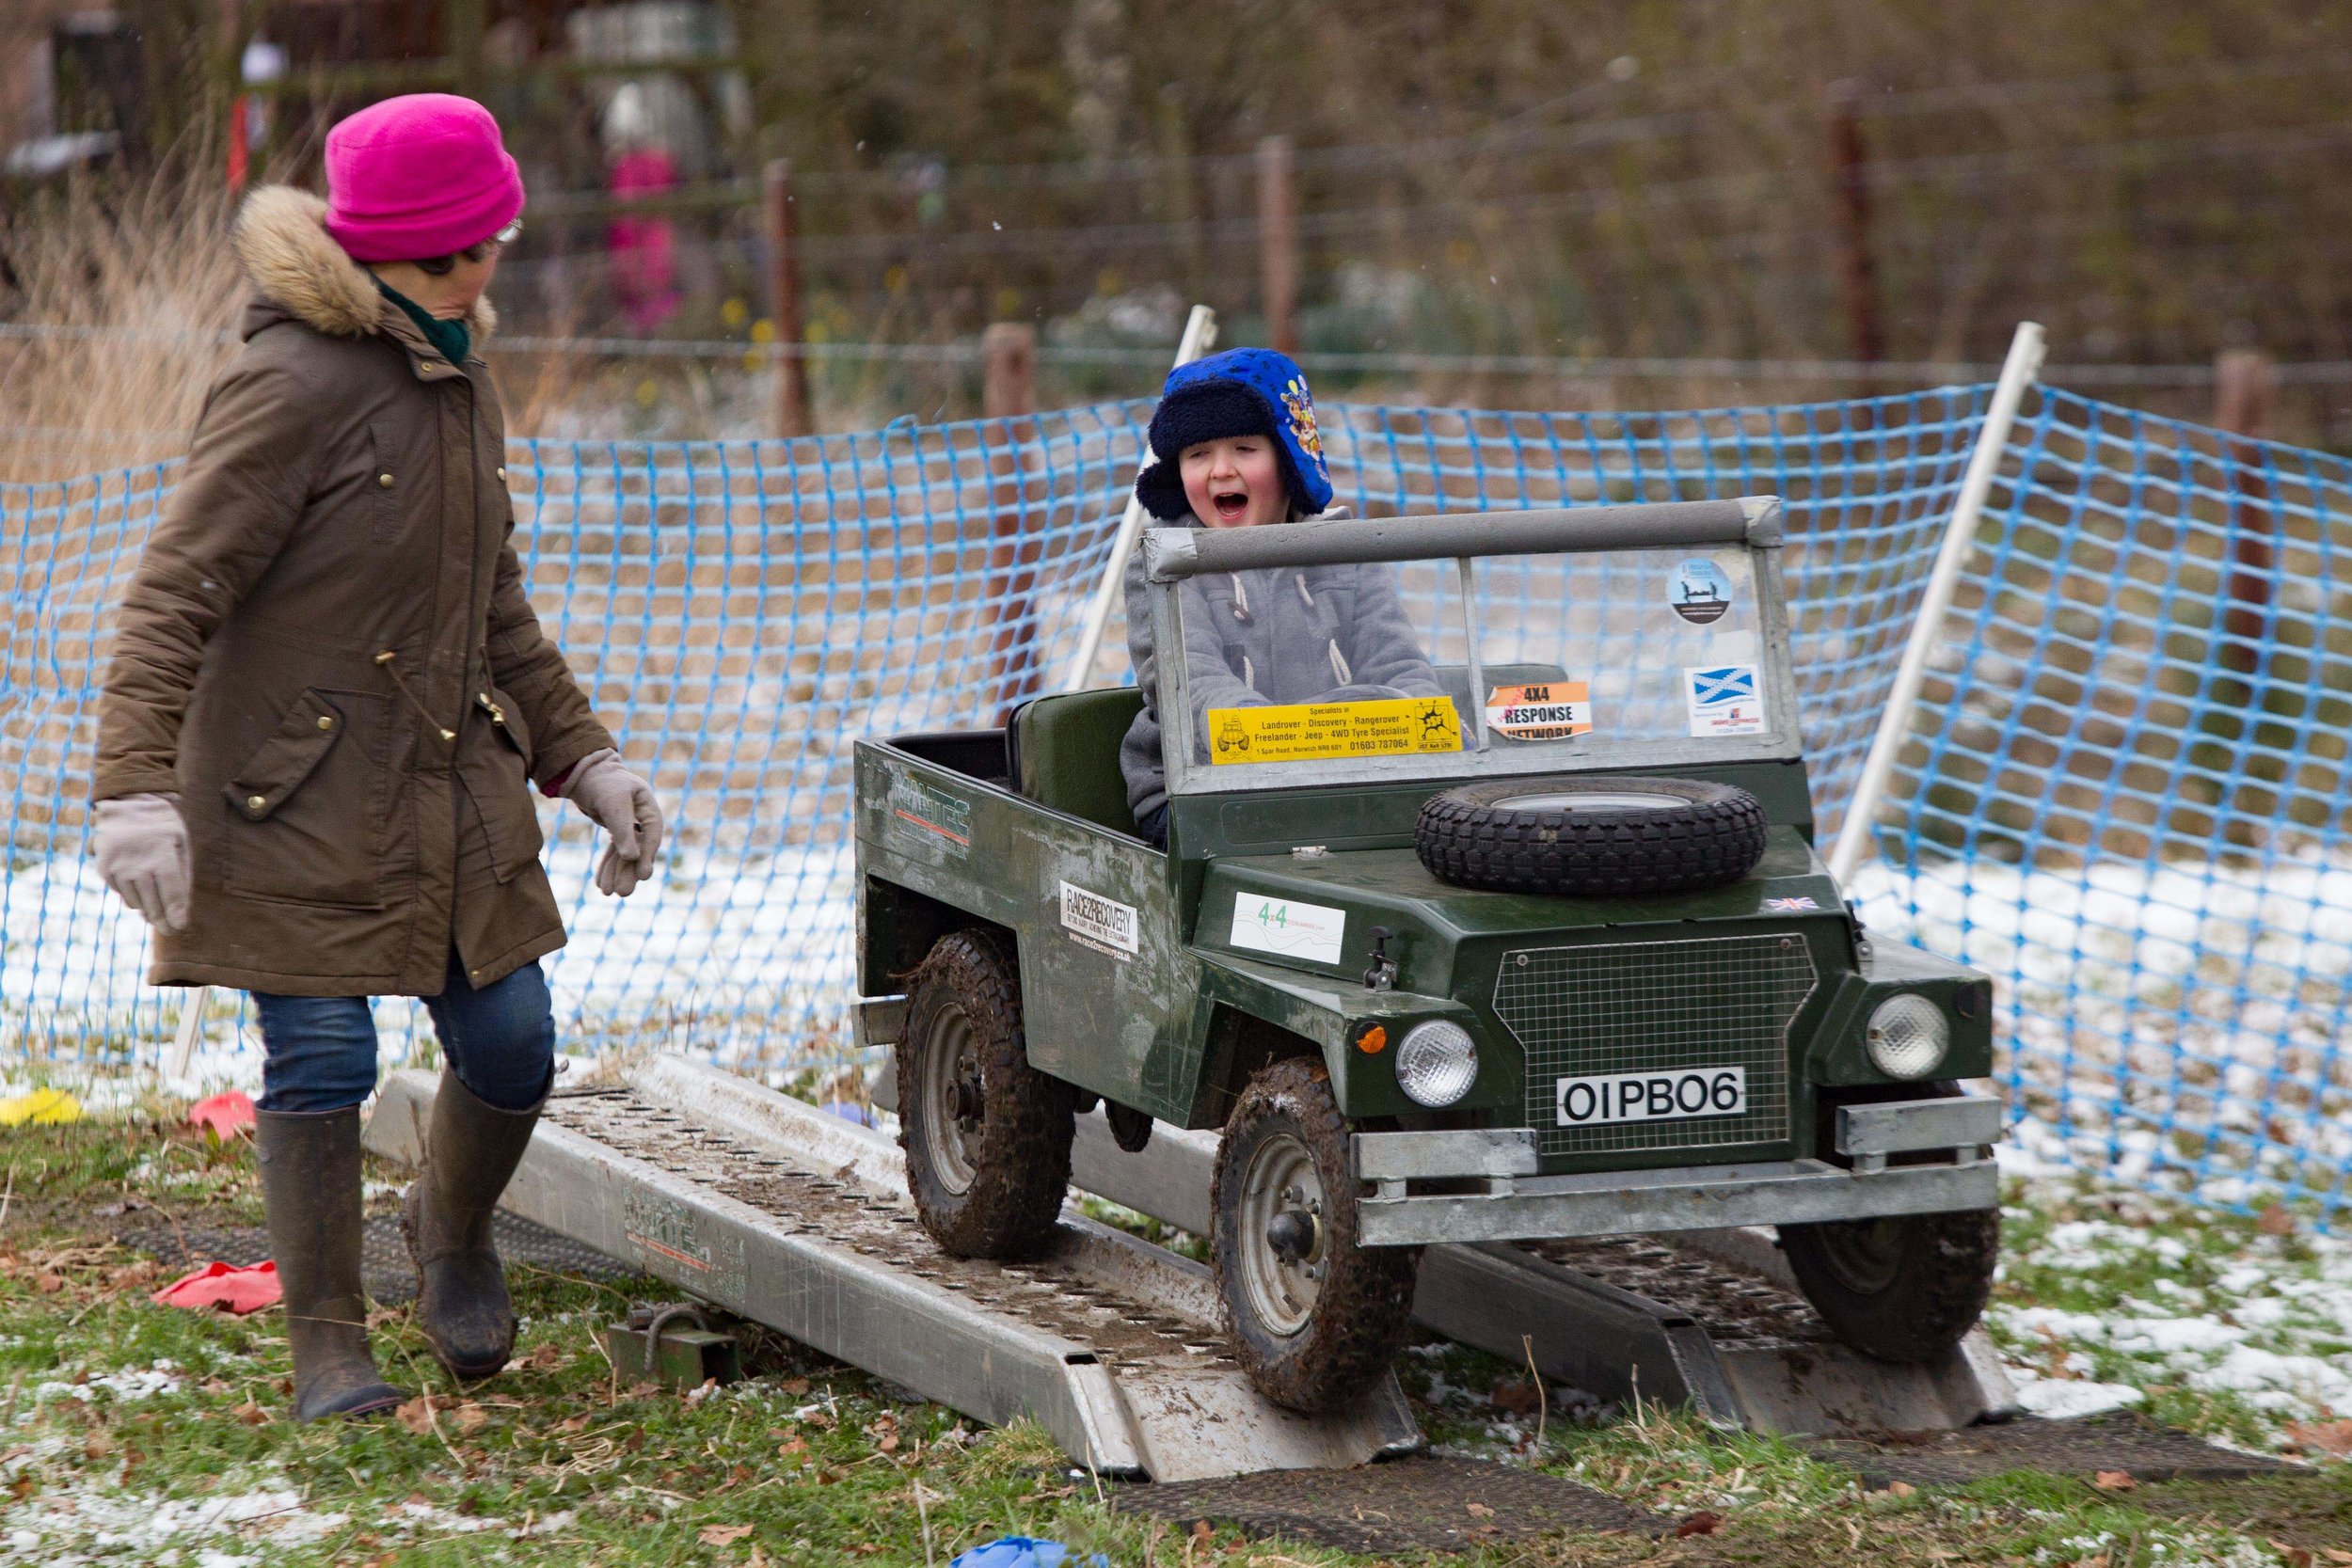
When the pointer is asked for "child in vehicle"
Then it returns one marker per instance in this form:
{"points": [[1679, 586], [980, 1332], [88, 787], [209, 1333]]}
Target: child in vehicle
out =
{"points": [[1235, 445]]}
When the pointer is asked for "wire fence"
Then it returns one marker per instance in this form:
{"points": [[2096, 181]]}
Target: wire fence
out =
{"points": [[767, 353], [2124, 794]]}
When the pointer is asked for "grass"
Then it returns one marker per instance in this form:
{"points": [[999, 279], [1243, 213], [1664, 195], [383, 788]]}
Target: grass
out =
{"points": [[130, 1432], [2224, 1320]]}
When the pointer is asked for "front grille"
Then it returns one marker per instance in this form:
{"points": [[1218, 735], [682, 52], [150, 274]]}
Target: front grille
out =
{"points": [[1648, 1006]]}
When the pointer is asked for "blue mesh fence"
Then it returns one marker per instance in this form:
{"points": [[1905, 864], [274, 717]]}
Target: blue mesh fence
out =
{"points": [[2123, 795]]}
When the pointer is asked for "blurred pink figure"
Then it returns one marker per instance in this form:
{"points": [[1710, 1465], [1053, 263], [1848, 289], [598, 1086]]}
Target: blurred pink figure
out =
{"points": [[643, 245]]}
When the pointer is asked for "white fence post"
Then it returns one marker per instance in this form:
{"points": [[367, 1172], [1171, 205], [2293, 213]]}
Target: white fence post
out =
{"points": [[1200, 334], [2017, 372]]}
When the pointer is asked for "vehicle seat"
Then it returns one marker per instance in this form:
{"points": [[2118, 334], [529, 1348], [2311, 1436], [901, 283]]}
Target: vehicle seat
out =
{"points": [[1455, 679], [1065, 753]]}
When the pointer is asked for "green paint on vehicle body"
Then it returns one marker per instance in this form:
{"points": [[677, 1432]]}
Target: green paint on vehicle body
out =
{"points": [[1148, 1028], [1161, 980]]}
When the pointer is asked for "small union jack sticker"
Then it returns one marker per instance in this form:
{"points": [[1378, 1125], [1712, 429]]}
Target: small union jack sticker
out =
{"points": [[1789, 906]]}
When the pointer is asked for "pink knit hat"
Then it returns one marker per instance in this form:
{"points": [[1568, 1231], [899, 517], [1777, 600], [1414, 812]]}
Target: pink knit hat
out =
{"points": [[419, 176]]}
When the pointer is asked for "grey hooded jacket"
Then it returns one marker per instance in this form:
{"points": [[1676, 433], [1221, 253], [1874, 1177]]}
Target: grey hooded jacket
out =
{"points": [[1280, 634]]}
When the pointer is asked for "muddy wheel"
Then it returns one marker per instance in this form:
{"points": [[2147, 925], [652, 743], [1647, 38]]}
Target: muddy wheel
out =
{"points": [[1905, 1288], [1314, 1318], [987, 1136]]}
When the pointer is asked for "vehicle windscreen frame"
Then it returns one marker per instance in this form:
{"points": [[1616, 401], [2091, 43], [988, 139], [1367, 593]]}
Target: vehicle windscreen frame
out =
{"points": [[1752, 524]]}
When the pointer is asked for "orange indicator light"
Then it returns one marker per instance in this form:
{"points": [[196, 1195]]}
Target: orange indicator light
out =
{"points": [[1373, 1041]]}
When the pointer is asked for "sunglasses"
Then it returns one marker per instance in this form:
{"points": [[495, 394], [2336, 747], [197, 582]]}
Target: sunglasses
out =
{"points": [[499, 241]]}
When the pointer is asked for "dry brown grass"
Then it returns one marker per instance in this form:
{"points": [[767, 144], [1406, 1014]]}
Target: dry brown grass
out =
{"points": [[132, 288], [124, 307]]}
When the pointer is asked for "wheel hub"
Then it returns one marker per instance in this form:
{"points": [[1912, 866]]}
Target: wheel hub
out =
{"points": [[1284, 1246], [967, 1101], [1293, 1235], [950, 1113]]}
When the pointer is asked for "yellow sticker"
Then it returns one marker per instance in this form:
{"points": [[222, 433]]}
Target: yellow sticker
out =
{"points": [[1308, 732], [1551, 711]]}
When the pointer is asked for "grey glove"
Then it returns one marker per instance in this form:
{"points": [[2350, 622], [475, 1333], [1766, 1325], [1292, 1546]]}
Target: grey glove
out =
{"points": [[622, 804], [142, 851]]}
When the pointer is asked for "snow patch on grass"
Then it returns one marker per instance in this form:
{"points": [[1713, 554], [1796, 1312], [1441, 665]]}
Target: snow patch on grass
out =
{"points": [[91, 1522], [2152, 1297], [126, 1386], [2061, 1399]]}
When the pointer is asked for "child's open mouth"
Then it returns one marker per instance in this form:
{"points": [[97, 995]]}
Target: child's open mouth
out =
{"points": [[1231, 505]]}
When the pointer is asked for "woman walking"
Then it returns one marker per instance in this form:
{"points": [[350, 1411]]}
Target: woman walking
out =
{"points": [[328, 700]]}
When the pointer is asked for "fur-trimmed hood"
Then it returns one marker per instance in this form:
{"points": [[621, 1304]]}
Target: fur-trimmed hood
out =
{"points": [[283, 242]]}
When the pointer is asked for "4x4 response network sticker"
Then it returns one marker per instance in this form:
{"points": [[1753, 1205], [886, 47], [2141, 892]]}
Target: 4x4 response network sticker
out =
{"points": [[1102, 923], [1699, 1091], [1722, 699], [1311, 732], [1296, 930], [1552, 711]]}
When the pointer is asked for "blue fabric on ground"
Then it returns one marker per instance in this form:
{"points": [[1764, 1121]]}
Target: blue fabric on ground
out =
{"points": [[1022, 1551]]}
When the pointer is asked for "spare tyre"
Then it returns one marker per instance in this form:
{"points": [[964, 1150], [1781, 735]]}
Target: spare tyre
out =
{"points": [[1591, 836]]}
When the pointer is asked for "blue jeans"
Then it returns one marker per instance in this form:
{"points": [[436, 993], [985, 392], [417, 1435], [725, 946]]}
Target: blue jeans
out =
{"points": [[500, 1041]]}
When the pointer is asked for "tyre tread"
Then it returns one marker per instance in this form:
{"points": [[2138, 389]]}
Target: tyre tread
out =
{"points": [[1363, 1310], [1466, 838], [1029, 1120], [1944, 1280]]}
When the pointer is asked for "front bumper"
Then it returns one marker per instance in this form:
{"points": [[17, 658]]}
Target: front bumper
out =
{"points": [[1518, 1205], [1614, 1203]]}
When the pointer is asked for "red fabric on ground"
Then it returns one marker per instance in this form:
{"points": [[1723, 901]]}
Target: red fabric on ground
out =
{"points": [[227, 1115], [221, 1284]]}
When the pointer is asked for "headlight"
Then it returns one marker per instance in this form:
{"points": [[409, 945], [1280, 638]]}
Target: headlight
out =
{"points": [[1436, 1064], [1908, 1036]]}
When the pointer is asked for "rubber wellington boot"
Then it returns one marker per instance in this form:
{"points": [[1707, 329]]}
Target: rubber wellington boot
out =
{"points": [[471, 1151], [310, 1188]]}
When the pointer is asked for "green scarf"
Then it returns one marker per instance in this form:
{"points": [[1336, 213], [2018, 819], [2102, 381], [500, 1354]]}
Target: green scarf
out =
{"points": [[450, 338]]}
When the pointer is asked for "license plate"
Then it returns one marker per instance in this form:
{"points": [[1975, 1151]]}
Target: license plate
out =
{"points": [[1678, 1094]]}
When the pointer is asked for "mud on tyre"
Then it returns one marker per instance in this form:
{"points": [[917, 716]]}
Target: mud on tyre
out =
{"points": [[1314, 1316], [987, 1136], [1591, 835]]}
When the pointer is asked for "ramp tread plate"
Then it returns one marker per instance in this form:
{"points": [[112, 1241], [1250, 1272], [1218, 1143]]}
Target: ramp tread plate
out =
{"points": [[1737, 1309], [384, 1267], [2083, 1446], [1422, 1503], [1041, 1294]]}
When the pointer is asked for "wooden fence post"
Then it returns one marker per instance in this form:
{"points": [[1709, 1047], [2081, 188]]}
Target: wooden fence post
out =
{"points": [[783, 295], [2245, 384], [1009, 371], [1278, 243], [1008, 393], [1857, 265]]}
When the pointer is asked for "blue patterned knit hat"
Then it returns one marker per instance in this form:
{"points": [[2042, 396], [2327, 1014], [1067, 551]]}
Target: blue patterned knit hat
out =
{"points": [[1242, 391]]}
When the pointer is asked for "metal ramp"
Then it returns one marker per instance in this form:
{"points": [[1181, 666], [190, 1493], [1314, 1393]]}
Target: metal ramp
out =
{"points": [[1708, 1318], [801, 1220]]}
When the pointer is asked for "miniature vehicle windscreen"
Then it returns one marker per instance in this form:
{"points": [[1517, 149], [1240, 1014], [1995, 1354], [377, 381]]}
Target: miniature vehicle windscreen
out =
{"points": [[1516, 664]]}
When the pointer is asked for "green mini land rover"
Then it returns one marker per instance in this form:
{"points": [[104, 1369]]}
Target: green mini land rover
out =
{"points": [[1548, 955]]}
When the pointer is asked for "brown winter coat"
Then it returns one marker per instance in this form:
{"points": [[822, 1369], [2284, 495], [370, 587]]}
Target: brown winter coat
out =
{"points": [[344, 502]]}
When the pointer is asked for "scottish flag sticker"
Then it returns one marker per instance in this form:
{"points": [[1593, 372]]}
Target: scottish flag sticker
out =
{"points": [[1722, 699]]}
